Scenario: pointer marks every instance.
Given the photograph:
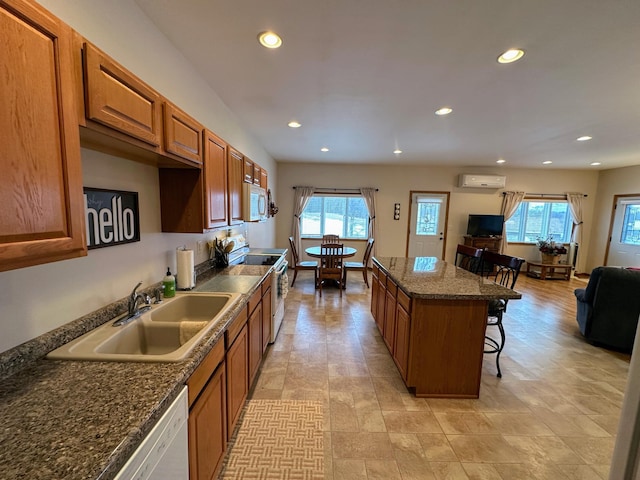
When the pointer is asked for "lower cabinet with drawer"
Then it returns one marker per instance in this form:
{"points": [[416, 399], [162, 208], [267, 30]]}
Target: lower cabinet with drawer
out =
{"points": [[208, 416], [255, 334], [237, 341], [402, 333], [219, 387]]}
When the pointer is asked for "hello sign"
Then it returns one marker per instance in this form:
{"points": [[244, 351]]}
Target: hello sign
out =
{"points": [[112, 217]]}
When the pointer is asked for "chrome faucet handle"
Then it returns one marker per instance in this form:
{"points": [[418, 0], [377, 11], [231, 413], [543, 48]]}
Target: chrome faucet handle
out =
{"points": [[145, 298], [157, 293]]}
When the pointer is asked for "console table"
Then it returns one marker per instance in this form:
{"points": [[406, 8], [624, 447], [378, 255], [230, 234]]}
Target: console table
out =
{"points": [[549, 271], [486, 243]]}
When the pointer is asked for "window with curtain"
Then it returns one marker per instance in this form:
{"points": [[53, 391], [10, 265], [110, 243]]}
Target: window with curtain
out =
{"points": [[343, 215], [540, 218]]}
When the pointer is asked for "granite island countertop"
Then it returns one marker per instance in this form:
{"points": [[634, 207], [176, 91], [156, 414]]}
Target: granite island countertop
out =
{"points": [[431, 278], [65, 419]]}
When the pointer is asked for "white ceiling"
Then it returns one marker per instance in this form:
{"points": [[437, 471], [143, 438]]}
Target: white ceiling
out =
{"points": [[364, 77]]}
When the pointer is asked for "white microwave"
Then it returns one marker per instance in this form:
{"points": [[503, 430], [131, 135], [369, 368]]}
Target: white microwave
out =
{"points": [[254, 203]]}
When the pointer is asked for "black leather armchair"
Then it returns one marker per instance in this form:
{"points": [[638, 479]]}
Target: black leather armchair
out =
{"points": [[609, 307]]}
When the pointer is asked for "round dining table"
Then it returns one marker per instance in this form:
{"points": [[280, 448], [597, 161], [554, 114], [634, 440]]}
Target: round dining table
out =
{"points": [[315, 252]]}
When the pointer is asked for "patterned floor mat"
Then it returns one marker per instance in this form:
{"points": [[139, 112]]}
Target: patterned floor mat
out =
{"points": [[277, 439]]}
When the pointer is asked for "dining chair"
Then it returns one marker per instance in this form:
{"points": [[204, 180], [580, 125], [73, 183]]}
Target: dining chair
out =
{"points": [[503, 270], [468, 258], [331, 265], [304, 265], [330, 238], [362, 266]]}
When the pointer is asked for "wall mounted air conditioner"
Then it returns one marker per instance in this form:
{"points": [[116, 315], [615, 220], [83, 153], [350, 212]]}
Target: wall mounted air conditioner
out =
{"points": [[482, 181]]}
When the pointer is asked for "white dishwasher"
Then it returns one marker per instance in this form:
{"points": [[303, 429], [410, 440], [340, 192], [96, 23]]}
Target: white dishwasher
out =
{"points": [[163, 454]]}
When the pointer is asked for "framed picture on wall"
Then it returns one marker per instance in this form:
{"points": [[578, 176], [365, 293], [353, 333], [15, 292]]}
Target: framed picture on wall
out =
{"points": [[112, 217]]}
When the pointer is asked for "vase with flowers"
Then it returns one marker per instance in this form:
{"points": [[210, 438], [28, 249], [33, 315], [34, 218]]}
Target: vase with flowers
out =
{"points": [[550, 251]]}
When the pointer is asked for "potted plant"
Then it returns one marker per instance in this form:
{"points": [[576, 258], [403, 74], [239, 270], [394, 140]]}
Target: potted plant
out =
{"points": [[550, 251]]}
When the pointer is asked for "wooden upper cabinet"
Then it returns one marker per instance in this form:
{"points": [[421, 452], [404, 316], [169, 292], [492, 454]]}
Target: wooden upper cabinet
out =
{"points": [[116, 98], [182, 134], [215, 184], [194, 200], [42, 215], [247, 171], [263, 178], [257, 174], [235, 174]]}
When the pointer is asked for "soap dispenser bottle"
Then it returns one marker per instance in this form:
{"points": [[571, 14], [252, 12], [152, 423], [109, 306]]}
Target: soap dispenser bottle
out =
{"points": [[169, 284]]}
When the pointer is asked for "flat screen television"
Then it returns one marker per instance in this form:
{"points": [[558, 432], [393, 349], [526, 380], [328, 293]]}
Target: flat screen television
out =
{"points": [[485, 225]]}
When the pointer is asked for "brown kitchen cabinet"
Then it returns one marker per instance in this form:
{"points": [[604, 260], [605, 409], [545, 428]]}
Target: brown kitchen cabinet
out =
{"points": [[247, 171], [389, 334], [237, 369], [255, 334], [402, 333], [374, 293], [235, 164], [264, 176], [216, 191], [194, 200], [116, 98], [257, 174], [42, 214], [207, 416], [380, 302], [266, 312], [182, 134]]}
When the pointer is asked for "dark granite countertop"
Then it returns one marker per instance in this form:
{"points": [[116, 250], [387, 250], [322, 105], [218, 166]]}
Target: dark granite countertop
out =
{"points": [[83, 419], [431, 278]]}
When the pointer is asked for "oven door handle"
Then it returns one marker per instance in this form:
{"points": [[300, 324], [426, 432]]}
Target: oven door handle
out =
{"points": [[282, 269]]}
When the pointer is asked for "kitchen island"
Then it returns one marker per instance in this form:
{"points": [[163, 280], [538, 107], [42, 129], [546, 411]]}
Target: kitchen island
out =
{"points": [[432, 316]]}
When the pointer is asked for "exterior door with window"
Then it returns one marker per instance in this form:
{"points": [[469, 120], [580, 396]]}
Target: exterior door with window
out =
{"points": [[427, 226], [624, 245]]}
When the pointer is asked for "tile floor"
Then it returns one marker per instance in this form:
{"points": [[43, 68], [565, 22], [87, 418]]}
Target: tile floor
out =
{"points": [[553, 415]]}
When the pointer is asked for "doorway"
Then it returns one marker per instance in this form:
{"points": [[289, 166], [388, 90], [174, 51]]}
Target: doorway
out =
{"points": [[428, 214], [623, 248]]}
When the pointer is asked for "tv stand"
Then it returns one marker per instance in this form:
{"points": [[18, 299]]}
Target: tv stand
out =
{"points": [[492, 244]]}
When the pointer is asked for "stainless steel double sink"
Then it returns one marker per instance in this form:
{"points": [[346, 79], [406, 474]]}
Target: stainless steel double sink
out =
{"points": [[166, 333]]}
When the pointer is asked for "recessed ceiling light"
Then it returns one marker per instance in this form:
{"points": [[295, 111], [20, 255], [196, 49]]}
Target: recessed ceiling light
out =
{"points": [[294, 124], [595, 164], [444, 111], [324, 149], [501, 160], [547, 162], [511, 55], [584, 138], [269, 40], [397, 151]]}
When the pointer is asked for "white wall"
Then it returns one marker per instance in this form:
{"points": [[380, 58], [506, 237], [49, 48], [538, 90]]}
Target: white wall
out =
{"points": [[395, 183], [618, 181], [38, 299]]}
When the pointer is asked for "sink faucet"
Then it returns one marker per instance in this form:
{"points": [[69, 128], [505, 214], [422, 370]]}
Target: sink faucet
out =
{"points": [[133, 311], [133, 300]]}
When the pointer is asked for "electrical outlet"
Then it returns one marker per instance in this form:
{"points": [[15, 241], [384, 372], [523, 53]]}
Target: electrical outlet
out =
{"points": [[202, 247]]}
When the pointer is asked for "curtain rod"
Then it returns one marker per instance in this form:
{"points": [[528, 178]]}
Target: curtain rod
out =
{"points": [[345, 190], [550, 195]]}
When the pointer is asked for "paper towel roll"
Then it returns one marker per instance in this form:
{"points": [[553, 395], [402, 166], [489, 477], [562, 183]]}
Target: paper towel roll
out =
{"points": [[186, 270]]}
